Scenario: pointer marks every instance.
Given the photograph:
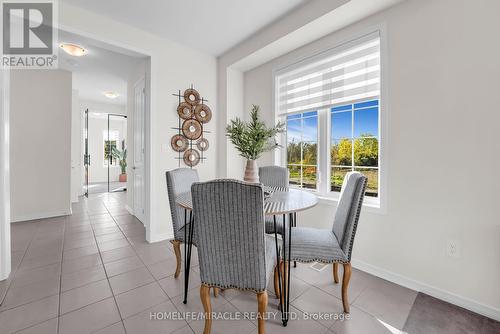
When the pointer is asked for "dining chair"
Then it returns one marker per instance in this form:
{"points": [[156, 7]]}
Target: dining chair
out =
{"points": [[335, 245], [274, 176], [233, 250], [179, 181]]}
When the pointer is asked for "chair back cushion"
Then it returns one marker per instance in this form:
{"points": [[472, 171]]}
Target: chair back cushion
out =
{"points": [[229, 225], [179, 181], [348, 210], [274, 176]]}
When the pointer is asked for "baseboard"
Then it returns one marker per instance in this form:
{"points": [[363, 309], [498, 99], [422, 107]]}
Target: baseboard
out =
{"points": [[40, 215], [469, 304], [159, 237], [129, 209]]}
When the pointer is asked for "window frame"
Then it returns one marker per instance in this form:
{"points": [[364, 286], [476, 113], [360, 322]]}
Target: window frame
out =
{"points": [[323, 189]]}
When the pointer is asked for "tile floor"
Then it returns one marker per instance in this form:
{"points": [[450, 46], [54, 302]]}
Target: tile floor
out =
{"points": [[93, 272]]}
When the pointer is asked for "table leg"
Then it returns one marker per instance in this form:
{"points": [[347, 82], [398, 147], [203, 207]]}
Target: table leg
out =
{"points": [[188, 245], [278, 264], [294, 225], [285, 291]]}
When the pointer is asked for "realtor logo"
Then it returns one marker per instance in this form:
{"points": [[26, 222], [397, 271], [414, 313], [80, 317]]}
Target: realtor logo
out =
{"points": [[29, 34]]}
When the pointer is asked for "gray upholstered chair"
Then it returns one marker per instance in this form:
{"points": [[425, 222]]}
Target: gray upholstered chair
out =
{"points": [[274, 176], [233, 250], [335, 245], [179, 181]]}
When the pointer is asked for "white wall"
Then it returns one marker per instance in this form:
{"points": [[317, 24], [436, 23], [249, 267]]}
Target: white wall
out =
{"points": [[40, 143], [98, 128], [442, 153], [172, 67]]}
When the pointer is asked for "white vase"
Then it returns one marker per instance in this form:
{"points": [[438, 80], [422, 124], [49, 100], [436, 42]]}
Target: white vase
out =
{"points": [[251, 172]]}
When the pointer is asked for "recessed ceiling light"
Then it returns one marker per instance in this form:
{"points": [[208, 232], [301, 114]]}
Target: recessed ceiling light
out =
{"points": [[73, 49], [111, 95]]}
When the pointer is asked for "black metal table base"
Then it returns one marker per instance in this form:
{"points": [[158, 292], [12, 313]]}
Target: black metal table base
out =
{"points": [[284, 284], [188, 245]]}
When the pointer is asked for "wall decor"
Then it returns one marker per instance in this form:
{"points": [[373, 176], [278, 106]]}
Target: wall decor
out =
{"points": [[189, 141]]}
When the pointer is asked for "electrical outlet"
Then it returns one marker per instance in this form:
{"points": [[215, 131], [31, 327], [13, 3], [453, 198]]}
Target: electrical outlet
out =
{"points": [[453, 248]]}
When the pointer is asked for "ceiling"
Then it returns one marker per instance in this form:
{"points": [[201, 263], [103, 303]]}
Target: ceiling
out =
{"points": [[99, 71], [200, 24]]}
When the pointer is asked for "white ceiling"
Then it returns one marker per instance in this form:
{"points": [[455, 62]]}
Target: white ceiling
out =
{"points": [[99, 71], [212, 26]]}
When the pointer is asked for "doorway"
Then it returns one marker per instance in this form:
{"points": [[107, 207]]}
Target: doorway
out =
{"points": [[105, 152]]}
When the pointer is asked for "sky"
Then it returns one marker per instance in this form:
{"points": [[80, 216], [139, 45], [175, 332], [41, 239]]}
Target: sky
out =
{"points": [[365, 121]]}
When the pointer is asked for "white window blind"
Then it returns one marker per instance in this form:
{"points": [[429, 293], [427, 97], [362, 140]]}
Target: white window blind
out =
{"points": [[350, 72]]}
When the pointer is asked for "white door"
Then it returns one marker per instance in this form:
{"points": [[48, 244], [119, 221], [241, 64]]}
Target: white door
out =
{"points": [[138, 167]]}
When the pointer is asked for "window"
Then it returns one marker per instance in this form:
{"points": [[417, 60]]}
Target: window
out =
{"points": [[354, 143], [331, 106], [302, 149], [110, 141]]}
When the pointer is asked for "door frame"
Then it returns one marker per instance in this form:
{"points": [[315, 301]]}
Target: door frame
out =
{"points": [[144, 216], [5, 251]]}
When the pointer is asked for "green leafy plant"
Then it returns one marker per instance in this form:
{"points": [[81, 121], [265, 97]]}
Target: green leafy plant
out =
{"points": [[121, 156], [253, 138]]}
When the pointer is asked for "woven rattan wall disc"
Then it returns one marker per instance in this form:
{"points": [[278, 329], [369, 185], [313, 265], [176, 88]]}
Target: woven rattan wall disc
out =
{"points": [[185, 110], [179, 143], [192, 129], [202, 144], [192, 96], [191, 157], [203, 113]]}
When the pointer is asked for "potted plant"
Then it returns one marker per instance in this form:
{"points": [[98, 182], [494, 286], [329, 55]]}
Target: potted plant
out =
{"points": [[121, 156], [252, 139]]}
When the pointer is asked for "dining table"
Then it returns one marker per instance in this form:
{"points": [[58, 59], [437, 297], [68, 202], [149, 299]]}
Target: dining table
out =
{"points": [[278, 201]]}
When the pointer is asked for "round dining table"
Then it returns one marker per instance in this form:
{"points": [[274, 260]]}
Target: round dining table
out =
{"points": [[285, 202]]}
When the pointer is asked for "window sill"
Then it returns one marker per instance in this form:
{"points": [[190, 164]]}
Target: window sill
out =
{"points": [[371, 205]]}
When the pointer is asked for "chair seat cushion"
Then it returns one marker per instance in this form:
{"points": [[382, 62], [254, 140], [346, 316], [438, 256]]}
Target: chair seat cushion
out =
{"points": [[270, 224], [315, 245]]}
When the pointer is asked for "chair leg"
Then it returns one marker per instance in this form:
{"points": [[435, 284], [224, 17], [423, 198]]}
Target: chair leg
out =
{"points": [[262, 302], [336, 272], [276, 281], [345, 286], [205, 300], [177, 251], [284, 276], [216, 292]]}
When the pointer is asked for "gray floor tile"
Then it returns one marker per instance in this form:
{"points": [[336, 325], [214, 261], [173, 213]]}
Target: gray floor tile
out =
{"points": [[114, 244], [130, 280], [29, 314], [123, 266], [359, 321], [117, 254], [83, 277], [316, 301], [142, 324], [81, 263], [224, 326], [164, 268], [85, 295], [90, 318], [47, 327], [387, 301], [175, 286], [113, 329], [17, 296], [140, 299]]}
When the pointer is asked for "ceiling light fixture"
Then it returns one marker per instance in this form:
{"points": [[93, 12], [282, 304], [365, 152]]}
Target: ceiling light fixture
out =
{"points": [[111, 95], [73, 49]]}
